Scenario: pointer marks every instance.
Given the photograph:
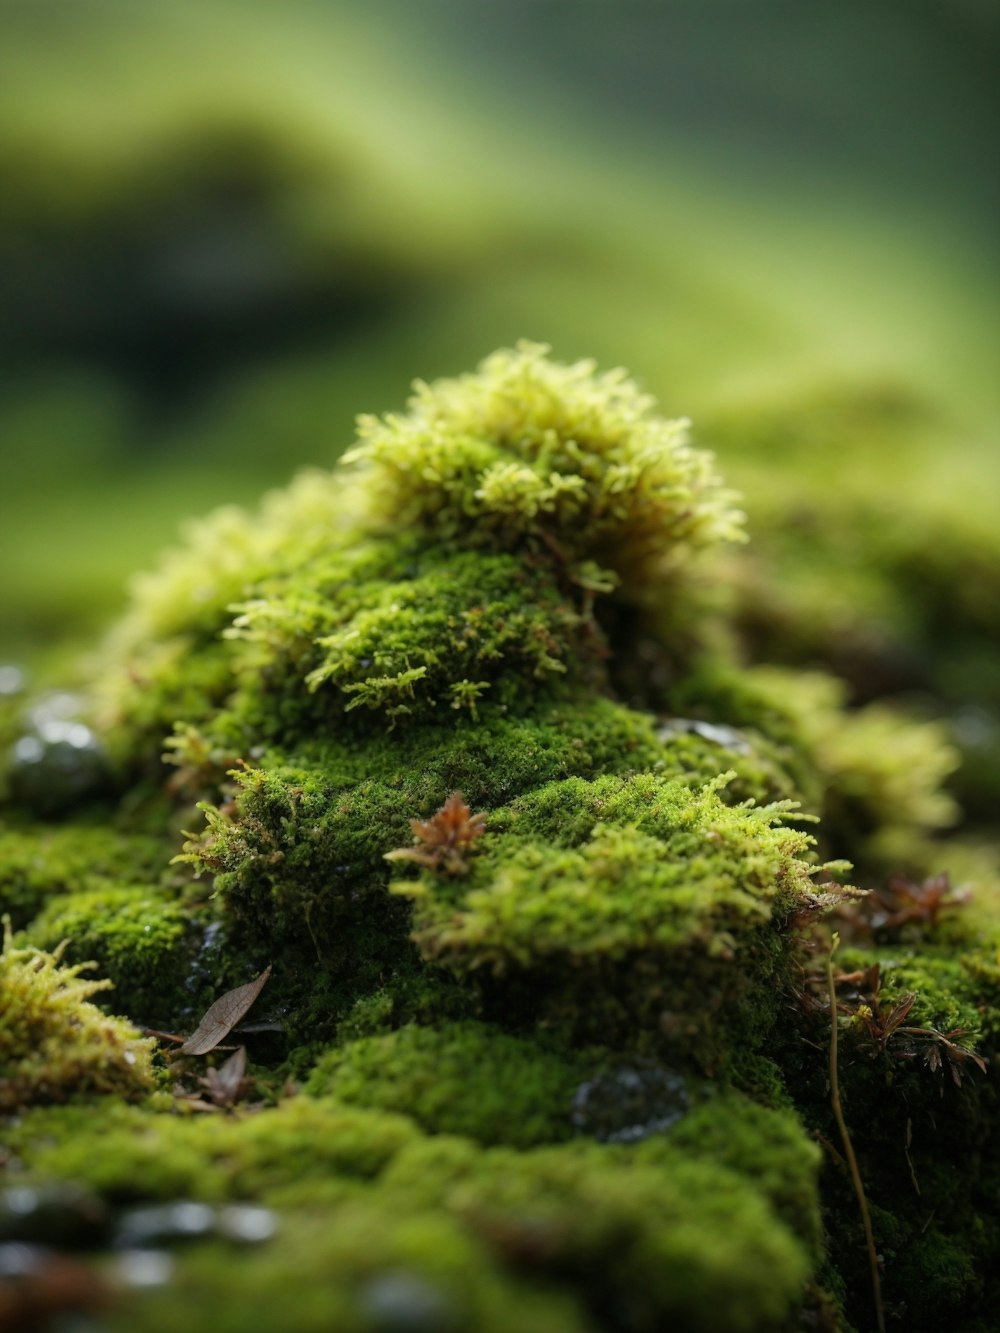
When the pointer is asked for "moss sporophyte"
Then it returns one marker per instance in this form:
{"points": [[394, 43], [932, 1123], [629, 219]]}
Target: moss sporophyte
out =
{"points": [[542, 871]]}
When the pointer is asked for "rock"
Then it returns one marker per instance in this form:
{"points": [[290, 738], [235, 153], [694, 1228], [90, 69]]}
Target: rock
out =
{"points": [[630, 1103]]}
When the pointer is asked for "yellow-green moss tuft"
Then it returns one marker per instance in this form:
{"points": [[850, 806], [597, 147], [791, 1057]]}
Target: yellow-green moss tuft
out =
{"points": [[55, 1044]]}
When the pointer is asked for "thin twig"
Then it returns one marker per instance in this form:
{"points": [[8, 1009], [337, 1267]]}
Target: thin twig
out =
{"points": [[852, 1161]]}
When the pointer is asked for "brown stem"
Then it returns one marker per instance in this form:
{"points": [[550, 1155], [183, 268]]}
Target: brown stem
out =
{"points": [[845, 1137]]}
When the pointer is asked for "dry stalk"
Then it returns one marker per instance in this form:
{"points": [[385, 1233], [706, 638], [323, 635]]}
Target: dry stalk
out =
{"points": [[845, 1137]]}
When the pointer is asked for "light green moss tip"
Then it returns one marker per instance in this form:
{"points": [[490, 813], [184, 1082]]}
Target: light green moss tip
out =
{"points": [[55, 1044], [527, 448]]}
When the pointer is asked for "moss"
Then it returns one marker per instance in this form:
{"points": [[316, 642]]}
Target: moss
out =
{"points": [[367, 1267], [549, 453], [766, 1146], [55, 1044], [140, 939], [876, 775], [841, 571], [40, 862], [302, 845], [133, 1153], [579, 1057], [464, 1078], [620, 904], [584, 1227], [690, 1243]]}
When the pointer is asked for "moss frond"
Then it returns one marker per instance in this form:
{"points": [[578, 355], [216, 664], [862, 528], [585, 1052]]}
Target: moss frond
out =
{"points": [[527, 449], [55, 1044]]}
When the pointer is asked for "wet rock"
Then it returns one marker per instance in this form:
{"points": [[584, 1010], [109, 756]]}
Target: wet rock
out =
{"points": [[246, 1223], [144, 1268], [400, 1302], [630, 1103], [18, 1260], [718, 733], [58, 761], [60, 1215], [158, 1225]]}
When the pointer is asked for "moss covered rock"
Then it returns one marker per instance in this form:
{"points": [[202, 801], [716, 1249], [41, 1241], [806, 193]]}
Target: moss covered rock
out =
{"points": [[463, 748]]}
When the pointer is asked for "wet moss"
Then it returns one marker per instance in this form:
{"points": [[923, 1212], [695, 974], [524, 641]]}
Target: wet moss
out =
{"points": [[466, 1078], [55, 1044], [142, 940], [572, 1064], [41, 862]]}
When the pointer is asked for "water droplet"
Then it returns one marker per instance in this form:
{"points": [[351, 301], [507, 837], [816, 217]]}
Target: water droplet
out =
{"points": [[245, 1222], [401, 1302], [29, 750], [11, 679], [164, 1224], [145, 1268], [718, 733]]}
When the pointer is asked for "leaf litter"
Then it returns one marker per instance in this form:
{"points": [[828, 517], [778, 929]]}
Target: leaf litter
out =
{"points": [[221, 1017]]}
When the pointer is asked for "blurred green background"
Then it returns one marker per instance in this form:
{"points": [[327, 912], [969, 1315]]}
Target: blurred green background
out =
{"points": [[227, 228]]}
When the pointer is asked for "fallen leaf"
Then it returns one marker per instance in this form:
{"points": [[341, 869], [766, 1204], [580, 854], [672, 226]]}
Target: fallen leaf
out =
{"points": [[223, 1015], [227, 1084]]}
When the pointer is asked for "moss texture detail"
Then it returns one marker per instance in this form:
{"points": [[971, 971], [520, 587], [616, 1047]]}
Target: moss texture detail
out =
{"points": [[55, 1044], [459, 741]]}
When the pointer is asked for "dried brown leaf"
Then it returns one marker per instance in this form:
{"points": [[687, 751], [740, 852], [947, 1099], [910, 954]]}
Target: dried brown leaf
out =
{"points": [[227, 1084], [221, 1017]]}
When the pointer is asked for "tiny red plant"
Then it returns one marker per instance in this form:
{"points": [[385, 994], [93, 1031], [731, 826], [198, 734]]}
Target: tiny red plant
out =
{"points": [[904, 902], [439, 842]]}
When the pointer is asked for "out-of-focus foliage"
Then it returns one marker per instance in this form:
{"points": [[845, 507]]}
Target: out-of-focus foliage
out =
{"points": [[223, 227], [562, 1075]]}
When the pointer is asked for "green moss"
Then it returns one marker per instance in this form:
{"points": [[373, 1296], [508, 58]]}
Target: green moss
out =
{"points": [[529, 450], [55, 1044], [135, 1153], [580, 1058], [619, 904], [366, 1267], [38, 863], [302, 847], [875, 775], [690, 1244], [140, 939], [583, 1227], [765, 1146], [464, 1078]]}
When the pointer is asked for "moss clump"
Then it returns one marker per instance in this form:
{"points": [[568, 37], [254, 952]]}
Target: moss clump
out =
{"points": [[464, 1078], [55, 1044], [875, 775], [137, 1153], [618, 902], [680, 1241], [40, 862], [663, 1230], [138, 938], [550, 454], [481, 777]]}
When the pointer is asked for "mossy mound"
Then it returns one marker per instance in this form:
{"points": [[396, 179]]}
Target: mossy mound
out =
{"points": [[55, 1044], [617, 905], [693, 1232], [465, 752]]}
